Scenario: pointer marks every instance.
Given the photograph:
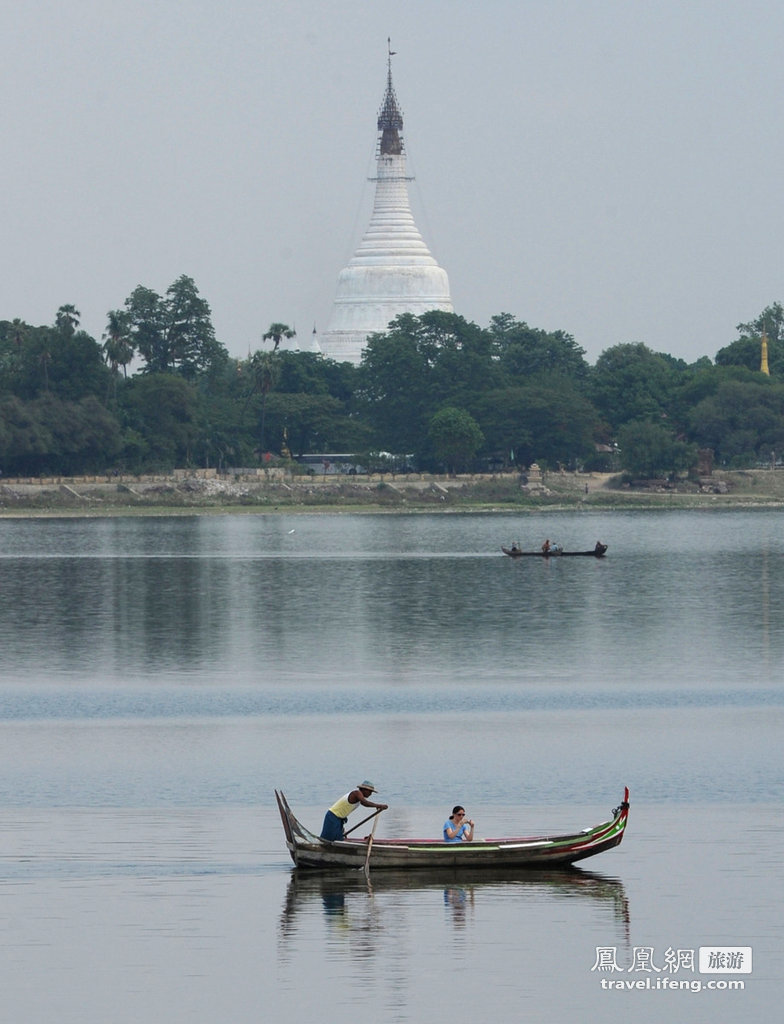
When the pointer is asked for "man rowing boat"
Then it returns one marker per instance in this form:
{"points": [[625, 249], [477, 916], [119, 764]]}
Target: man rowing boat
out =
{"points": [[336, 816]]}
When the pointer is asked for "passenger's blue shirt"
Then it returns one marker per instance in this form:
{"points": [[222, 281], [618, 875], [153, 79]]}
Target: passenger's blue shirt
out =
{"points": [[457, 838]]}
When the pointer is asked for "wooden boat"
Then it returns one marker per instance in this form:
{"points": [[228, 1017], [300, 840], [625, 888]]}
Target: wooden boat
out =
{"points": [[310, 851], [514, 552]]}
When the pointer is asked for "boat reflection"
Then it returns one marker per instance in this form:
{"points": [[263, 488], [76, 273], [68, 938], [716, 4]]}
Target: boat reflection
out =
{"points": [[355, 905]]}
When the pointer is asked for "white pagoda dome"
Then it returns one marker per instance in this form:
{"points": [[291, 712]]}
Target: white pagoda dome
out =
{"points": [[392, 271]]}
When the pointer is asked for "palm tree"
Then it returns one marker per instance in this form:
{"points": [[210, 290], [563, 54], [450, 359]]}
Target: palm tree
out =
{"points": [[117, 346], [67, 319], [18, 331], [18, 336], [276, 333], [264, 371]]}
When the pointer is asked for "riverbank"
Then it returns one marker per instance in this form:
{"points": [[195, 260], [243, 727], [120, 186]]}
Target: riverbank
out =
{"points": [[207, 492]]}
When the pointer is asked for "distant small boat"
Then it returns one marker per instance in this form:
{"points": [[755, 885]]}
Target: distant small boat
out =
{"points": [[310, 851], [514, 552]]}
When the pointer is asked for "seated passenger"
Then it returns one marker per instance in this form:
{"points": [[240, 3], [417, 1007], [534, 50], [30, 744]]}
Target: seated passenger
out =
{"points": [[456, 828]]}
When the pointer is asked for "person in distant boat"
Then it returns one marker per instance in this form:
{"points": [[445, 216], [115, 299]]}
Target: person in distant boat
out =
{"points": [[514, 548], [546, 546], [456, 828], [600, 548], [336, 816]]}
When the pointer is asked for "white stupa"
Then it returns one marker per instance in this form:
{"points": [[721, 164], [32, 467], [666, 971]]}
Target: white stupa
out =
{"points": [[304, 343], [392, 271]]}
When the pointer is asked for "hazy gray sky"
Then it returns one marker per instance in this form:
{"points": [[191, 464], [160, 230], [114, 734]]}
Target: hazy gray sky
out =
{"points": [[611, 168]]}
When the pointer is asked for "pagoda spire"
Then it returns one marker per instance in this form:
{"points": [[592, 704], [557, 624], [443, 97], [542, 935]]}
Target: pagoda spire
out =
{"points": [[390, 117], [764, 353]]}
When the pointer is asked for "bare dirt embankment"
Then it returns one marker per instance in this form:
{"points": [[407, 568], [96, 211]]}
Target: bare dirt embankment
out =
{"points": [[204, 492]]}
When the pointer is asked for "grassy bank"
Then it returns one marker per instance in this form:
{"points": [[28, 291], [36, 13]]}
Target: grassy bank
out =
{"points": [[208, 493]]}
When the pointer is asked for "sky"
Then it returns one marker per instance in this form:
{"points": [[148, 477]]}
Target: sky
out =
{"points": [[609, 168]]}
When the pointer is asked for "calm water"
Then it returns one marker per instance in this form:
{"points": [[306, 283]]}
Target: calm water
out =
{"points": [[161, 676]]}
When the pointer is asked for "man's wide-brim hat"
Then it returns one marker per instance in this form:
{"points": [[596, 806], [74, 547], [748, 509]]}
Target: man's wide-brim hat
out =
{"points": [[367, 785]]}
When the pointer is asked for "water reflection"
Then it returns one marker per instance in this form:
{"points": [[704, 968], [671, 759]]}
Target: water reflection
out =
{"points": [[458, 901], [358, 910], [265, 600]]}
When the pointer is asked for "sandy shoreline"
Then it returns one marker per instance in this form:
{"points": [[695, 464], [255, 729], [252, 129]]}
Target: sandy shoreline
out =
{"points": [[206, 493]]}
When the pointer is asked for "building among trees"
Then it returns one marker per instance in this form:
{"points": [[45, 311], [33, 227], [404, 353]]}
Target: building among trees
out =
{"points": [[392, 270]]}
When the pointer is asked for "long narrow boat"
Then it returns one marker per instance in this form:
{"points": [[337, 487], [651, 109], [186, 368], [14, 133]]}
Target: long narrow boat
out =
{"points": [[310, 851], [514, 552]]}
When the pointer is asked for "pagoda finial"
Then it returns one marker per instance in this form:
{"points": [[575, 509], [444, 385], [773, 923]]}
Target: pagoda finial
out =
{"points": [[764, 353], [390, 118]]}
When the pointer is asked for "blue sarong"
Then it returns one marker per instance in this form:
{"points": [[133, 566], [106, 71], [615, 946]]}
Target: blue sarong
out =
{"points": [[332, 829]]}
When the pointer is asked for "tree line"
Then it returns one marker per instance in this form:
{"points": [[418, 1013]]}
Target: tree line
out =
{"points": [[159, 391]]}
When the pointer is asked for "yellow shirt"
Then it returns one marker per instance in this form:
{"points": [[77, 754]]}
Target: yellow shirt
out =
{"points": [[343, 807]]}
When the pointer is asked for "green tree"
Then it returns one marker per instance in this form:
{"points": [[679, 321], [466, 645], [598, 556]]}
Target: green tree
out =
{"points": [[632, 383], [67, 320], [85, 437], [59, 359], [77, 368], [651, 449], [117, 345], [743, 421], [314, 423], [526, 352], [13, 338], [48, 435], [262, 373], [309, 405], [162, 412], [276, 333], [462, 358], [550, 423], [394, 390], [310, 373], [191, 335], [173, 334], [419, 366], [144, 321], [18, 333], [747, 349], [455, 437], [24, 441]]}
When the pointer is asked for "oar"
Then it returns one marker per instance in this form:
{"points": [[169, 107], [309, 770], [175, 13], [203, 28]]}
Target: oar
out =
{"points": [[370, 846], [362, 822]]}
